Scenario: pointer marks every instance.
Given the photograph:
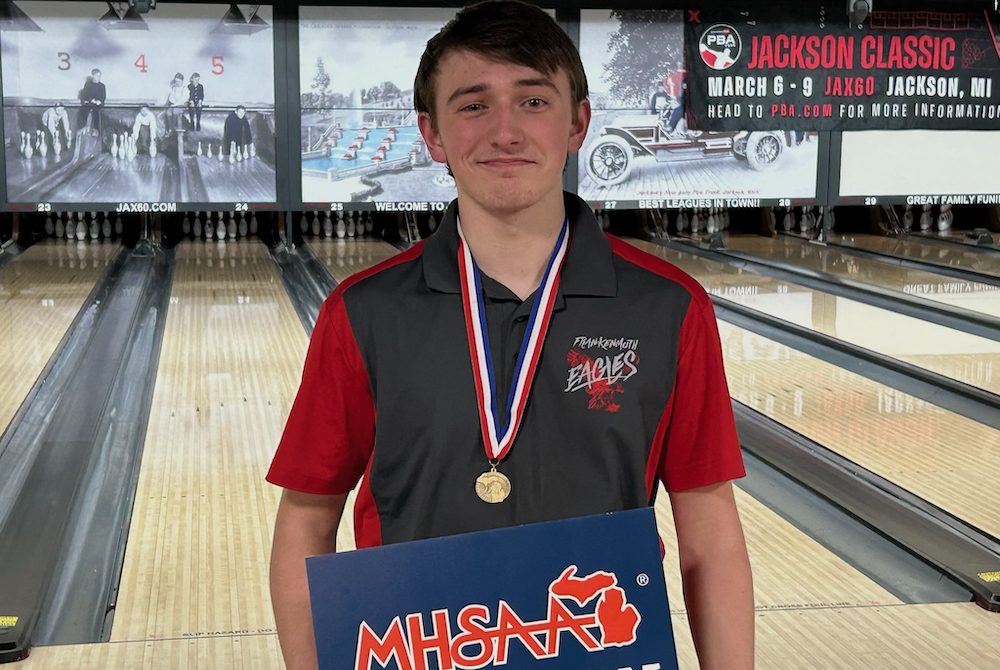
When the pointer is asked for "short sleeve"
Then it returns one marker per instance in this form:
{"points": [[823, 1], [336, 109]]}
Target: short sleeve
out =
{"points": [[330, 432], [700, 445]]}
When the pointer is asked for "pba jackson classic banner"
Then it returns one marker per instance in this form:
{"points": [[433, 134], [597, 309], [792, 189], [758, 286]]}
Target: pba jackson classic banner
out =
{"points": [[771, 68]]}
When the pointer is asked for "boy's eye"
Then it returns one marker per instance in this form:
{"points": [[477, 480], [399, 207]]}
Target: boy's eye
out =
{"points": [[474, 107]]}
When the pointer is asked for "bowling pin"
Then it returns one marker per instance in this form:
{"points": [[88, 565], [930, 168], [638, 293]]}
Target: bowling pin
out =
{"points": [[221, 156], [50, 227], [369, 224], [242, 227], [232, 153], [945, 218], [119, 226], [81, 228], [253, 150], [908, 218], [60, 228], [152, 148], [209, 149], [711, 225], [114, 145], [24, 141], [29, 150], [788, 222], [253, 223], [341, 227], [106, 226], [186, 225], [56, 146], [927, 218], [351, 227], [209, 227], [696, 222], [328, 226], [199, 149], [220, 228], [43, 147], [246, 153], [196, 228]]}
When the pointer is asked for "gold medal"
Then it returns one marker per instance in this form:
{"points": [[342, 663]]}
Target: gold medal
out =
{"points": [[492, 486]]}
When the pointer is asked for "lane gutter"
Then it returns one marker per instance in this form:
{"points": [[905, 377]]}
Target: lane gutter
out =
{"points": [[70, 462]]}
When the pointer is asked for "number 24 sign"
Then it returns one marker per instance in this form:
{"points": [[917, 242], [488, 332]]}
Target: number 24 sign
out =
{"points": [[66, 63]]}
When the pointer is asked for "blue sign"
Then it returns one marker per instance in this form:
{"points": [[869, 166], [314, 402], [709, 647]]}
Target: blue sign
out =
{"points": [[578, 594]]}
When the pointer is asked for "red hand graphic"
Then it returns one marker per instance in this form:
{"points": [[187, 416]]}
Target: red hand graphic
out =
{"points": [[601, 393], [581, 589], [617, 619]]}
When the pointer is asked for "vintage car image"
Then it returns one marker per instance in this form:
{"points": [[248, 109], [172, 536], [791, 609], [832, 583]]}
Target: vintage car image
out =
{"points": [[610, 158], [640, 145]]}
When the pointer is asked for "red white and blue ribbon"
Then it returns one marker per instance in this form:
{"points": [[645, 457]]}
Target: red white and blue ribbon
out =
{"points": [[499, 439]]}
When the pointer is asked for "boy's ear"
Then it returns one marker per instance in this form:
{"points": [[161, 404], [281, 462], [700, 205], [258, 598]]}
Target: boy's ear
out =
{"points": [[431, 137]]}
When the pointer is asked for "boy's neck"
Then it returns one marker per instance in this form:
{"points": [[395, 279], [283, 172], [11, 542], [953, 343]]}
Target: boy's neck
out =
{"points": [[514, 249]]}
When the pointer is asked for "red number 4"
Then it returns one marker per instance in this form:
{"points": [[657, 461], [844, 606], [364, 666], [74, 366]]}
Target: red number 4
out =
{"points": [[217, 67], [140, 63]]}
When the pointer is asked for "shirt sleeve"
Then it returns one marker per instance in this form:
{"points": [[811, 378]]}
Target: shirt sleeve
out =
{"points": [[330, 432], [700, 446]]}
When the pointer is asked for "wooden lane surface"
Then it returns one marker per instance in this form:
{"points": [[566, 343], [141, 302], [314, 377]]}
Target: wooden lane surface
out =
{"points": [[200, 538], [342, 258], [960, 356], [40, 295], [985, 262], [973, 296], [940, 456]]}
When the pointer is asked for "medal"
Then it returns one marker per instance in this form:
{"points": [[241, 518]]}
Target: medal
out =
{"points": [[493, 486]]}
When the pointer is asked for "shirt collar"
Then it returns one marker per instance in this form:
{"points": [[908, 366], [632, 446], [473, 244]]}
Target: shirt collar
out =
{"points": [[588, 269]]}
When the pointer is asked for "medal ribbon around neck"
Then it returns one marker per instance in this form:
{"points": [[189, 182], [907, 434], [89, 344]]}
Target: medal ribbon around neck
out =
{"points": [[499, 440]]}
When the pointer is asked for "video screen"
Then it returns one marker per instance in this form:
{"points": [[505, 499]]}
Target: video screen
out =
{"points": [[360, 141], [640, 151], [893, 166], [104, 105]]}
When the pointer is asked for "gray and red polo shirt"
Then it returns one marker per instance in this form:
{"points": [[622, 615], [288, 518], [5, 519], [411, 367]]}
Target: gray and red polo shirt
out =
{"points": [[629, 390]]}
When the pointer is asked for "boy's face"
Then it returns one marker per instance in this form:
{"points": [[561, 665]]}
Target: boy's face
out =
{"points": [[505, 130]]}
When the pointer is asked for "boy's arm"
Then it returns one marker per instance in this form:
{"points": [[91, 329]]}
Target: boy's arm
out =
{"points": [[718, 587], [306, 525]]}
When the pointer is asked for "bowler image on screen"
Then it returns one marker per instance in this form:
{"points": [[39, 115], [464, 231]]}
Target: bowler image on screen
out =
{"points": [[105, 105]]}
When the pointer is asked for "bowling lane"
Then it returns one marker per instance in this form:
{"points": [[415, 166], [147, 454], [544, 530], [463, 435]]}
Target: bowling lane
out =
{"points": [[198, 547], [940, 456], [105, 178], [250, 180], [960, 356], [345, 257], [40, 295], [970, 259], [973, 296]]}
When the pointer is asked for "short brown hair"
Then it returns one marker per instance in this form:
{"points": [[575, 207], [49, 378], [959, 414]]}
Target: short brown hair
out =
{"points": [[507, 31]]}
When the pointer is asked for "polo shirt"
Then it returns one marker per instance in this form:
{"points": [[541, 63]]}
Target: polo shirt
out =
{"points": [[629, 389]]}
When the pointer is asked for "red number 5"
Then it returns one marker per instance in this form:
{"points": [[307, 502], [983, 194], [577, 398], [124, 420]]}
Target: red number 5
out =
{"points": [[217, 67]]}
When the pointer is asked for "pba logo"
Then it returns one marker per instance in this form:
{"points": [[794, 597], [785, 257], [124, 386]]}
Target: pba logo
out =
{"points": [[720, 46], [476, 644]]}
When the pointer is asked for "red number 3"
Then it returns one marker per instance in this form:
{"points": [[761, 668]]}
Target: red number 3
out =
{"points": [[217, 67]]}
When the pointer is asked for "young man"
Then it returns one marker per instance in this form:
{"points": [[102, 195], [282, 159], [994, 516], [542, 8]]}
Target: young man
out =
{"points": [[628, 387]]}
